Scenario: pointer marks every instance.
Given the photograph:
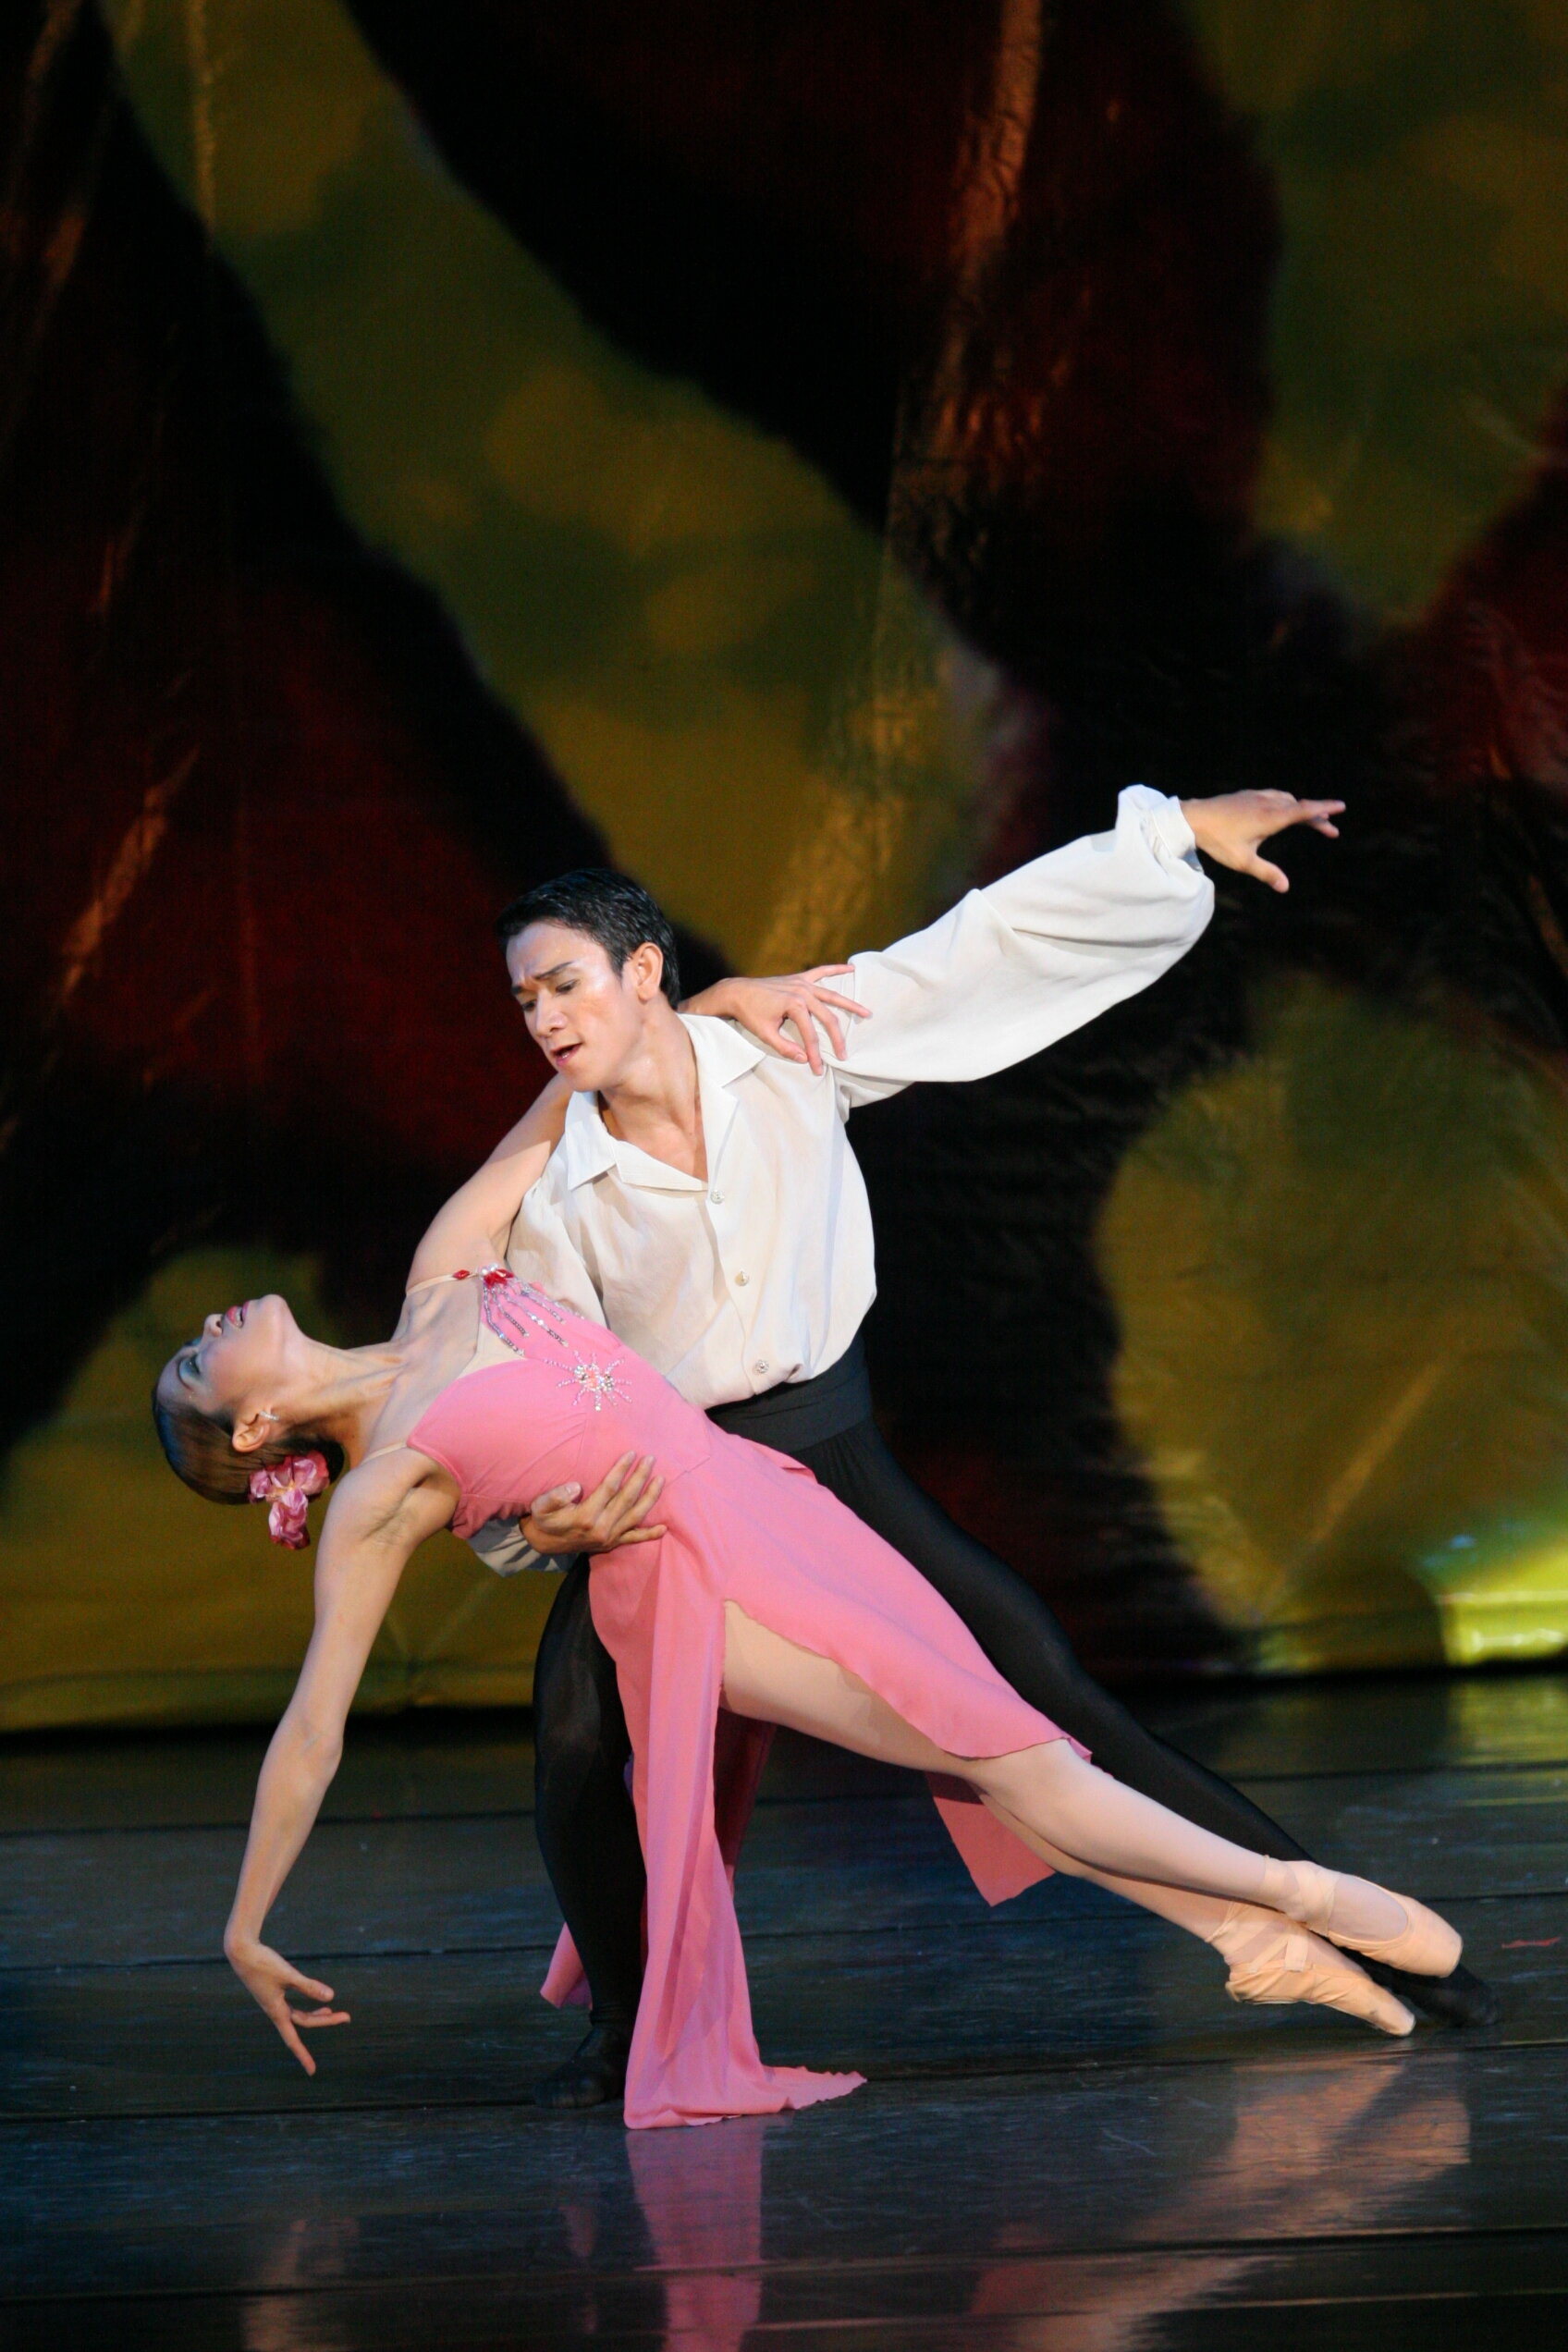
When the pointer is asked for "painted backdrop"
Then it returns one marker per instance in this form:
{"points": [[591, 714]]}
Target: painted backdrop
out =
{"points": [[810, 455]]}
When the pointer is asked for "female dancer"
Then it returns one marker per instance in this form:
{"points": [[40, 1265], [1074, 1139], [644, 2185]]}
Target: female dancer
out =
{"points": [[759, 1594]]}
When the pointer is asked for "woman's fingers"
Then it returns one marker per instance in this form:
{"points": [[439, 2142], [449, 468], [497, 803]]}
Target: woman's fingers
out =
{"points": [[288, 2022], [297, 1983], [787, 1013], [819, 973], [798, 1009], [806, 1023], [824, 1004], [283, 2019]]}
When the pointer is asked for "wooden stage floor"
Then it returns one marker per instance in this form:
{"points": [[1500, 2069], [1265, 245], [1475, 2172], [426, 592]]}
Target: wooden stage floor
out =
{"points": [[1071, 2142]]}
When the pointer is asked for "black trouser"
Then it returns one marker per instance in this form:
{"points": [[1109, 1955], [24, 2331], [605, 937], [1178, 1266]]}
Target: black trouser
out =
{"points": [[587, 1831]]}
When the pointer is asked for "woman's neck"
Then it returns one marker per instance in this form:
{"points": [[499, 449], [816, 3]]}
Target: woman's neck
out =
{"points": [[346, 1391]]}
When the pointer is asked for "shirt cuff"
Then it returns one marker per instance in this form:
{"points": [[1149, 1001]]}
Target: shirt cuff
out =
{"points": [[502, 1546], [1166, 830]]}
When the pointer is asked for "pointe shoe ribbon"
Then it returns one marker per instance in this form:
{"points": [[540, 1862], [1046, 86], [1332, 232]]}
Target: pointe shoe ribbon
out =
{"points": [[1289, 1964], [1425, 1946]]}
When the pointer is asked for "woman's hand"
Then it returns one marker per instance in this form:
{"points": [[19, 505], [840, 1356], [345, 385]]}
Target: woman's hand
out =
{"points": [[268, 1978], [1230, 827], [567, 1520], [765, 1007]]}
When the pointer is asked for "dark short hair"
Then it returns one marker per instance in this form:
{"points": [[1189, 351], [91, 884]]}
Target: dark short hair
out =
{"points": [[198, 1448], [606, 907]]}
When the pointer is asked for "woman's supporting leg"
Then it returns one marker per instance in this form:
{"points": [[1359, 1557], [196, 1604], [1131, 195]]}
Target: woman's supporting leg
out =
{"points": [[587, 1831]]}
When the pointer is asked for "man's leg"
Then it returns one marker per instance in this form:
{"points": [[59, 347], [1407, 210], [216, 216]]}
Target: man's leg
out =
{"points": [[1023, 1642], [587, 1832]]}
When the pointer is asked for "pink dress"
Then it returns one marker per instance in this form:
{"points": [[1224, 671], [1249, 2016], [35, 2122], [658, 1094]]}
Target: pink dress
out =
{"points": [[745, 1524]]}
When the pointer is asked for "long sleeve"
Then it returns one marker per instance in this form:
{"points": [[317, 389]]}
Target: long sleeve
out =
{"points": [[1028, 960], [502, 1546]]}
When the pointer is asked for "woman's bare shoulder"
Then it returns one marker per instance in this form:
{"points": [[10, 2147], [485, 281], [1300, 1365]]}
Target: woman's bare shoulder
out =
{"points": [[446, 1257]]}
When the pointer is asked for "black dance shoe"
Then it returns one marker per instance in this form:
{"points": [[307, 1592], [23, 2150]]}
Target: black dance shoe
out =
{"points": [[1460, 1999], [595, 2071]]}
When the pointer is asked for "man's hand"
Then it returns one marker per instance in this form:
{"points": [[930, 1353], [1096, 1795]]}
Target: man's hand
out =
{"points": [[270, 1979], [768, 1008], [615, 1513], [1230, 827]]}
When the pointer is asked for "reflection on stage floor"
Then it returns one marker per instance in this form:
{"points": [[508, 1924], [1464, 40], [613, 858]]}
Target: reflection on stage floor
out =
{"points": [[1071, 2141]]}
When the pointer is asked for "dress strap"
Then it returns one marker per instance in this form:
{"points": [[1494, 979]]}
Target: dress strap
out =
{"points": [[397, 1446], [496, 1270]]}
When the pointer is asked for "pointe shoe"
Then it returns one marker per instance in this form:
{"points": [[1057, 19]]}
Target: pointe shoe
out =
{"points": [[1425, 1946], [1276, 1962]]}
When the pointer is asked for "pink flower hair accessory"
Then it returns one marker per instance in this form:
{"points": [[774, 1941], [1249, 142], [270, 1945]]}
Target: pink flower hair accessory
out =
{"points": [[287, 1488]]}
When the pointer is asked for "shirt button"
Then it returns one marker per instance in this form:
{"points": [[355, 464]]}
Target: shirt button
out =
{"points": [[760, 1367], [742, 1280], [717, 1199]]}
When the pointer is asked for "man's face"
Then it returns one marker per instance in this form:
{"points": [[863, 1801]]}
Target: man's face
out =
{"points": [[588, 1018]]}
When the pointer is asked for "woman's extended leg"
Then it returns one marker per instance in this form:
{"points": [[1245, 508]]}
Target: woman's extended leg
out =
{"points": [[1048, 1790]]}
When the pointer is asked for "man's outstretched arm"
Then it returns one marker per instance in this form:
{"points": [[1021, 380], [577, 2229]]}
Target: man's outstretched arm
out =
{"points": [[1015, 966]]}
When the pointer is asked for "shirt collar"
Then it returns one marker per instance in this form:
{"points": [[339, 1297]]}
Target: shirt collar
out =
{"points": [[588, 1150], [721, 1049], [724, 1053], [586, 1147]]}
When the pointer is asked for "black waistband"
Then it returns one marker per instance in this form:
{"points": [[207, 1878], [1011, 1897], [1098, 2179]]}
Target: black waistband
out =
{"points": [[803, 1413]]}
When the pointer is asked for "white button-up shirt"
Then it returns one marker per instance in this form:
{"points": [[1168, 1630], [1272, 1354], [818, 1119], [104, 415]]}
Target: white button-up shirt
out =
{"points": [[762, 1271]]}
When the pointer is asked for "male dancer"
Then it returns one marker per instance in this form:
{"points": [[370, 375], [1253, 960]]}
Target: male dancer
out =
{"points": [[704, 1203]]}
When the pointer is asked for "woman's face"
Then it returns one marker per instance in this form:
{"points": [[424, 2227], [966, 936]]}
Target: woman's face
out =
{"points": [[237, 1360]]}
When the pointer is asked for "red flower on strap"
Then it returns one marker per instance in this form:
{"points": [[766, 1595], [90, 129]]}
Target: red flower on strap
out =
{"points": [[287, 1488]]}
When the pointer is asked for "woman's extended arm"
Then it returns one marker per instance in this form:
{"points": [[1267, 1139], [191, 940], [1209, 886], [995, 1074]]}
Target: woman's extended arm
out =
{"points": [[489, 1201], [371, 1530]]}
